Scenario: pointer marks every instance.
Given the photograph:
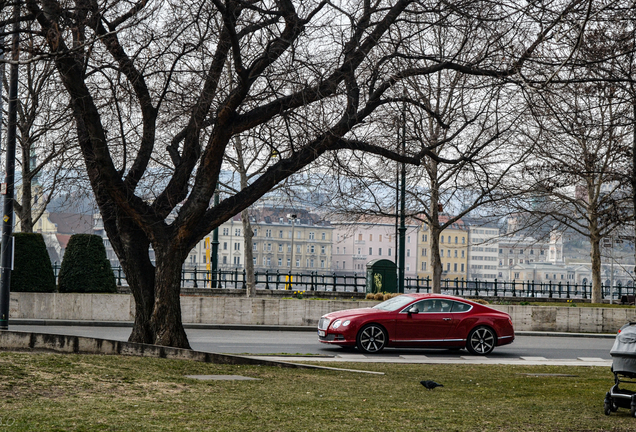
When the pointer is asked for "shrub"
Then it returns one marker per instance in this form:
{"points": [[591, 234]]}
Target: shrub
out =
{"points": [[85, 268], [32, 270], [370, 296], [481, 301], [378, 296]]}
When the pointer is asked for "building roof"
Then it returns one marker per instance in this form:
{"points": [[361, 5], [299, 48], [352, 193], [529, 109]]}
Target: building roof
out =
{"points": [[72, 223]]}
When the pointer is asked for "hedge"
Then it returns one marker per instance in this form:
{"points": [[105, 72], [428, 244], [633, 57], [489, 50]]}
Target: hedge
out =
{"points": [[85, 267], [32, 270]]}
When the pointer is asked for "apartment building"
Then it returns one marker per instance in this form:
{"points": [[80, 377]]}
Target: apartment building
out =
{"points": [[358, 242], [453, 248], [483, 255]]}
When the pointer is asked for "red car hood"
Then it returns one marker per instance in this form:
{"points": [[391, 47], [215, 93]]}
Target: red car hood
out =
{"points": [[349, 313]]}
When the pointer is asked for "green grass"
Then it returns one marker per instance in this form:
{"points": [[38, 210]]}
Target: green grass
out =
{"points": [[50, 392]]}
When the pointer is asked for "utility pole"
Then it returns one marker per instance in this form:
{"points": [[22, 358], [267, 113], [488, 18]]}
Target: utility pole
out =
{"points": [[402, 229], [6, 259], [215, 247]]}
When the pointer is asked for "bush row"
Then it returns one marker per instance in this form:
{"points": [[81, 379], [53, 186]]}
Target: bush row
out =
{"points": [[85, 267]]}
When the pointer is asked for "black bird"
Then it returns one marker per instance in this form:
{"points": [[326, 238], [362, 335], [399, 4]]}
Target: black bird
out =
{"points": [[430, 384]]}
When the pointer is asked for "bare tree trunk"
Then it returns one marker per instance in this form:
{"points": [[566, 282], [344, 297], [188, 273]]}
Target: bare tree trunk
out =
{"points": [[166, 321], [595, 255], [436, 261], [248, 234]]}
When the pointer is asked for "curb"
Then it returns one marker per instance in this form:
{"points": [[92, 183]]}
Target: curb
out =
{"points": [[86, 323]]}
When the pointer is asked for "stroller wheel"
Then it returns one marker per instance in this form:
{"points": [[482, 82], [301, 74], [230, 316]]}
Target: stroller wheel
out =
{"points": [[607, 404]]}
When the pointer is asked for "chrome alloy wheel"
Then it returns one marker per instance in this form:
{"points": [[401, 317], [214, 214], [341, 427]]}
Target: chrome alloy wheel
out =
{"points": [[481, 341], [371, 339]]}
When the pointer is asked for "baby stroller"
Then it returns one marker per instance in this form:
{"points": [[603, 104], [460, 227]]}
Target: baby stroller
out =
{"points": [[624, 368]]}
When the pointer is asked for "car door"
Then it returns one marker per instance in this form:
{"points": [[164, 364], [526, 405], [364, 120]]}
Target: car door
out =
{"points": [[428, 326]]}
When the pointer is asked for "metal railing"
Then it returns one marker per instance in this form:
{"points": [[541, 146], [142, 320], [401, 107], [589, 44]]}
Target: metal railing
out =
{"points": [[193, 277]]}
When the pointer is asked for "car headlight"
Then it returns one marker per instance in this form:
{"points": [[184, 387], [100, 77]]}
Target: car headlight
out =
{"points": [[336, 324], [346, 323]]}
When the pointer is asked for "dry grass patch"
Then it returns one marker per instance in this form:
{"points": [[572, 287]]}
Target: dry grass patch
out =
{"points": [[51, 392]]}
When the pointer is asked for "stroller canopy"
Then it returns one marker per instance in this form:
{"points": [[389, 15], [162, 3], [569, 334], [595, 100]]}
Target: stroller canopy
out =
{"points": [[624, 350]]}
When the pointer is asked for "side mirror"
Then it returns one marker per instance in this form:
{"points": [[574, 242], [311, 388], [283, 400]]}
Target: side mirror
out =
{"points": [[413, 310]]}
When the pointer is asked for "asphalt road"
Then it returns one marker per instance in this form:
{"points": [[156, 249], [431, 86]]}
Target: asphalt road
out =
{"points": [[304, 342]]}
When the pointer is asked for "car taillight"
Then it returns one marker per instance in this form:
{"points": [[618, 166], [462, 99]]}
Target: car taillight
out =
{"points": [[510, 321]]}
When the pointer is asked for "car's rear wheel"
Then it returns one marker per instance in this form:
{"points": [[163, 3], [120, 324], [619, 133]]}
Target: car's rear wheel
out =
{"points": [[371, 339], [481, 341]]}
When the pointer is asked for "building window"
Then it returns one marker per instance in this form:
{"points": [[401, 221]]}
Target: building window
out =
{"points": [[269, 247], [423, 265], [280, 247], [516, 275], [311, 263], [370, 251], [531, 251], [408, 239], [448, 267], [269, 262], [380, 237], [224, 259], [289, 248], [338, 250], [226, 231], [237, 232], [463, 240], [237, 246], [424, 238], [456, 239], [441, 238], [449, 239], [268, 233], [322, 250], [441, 253], [322, 263], [288, 262], [254, 246], [297, 248], [455, 267], [379, 251], [280, 262], [280, 234], [389, 251], [298, 263], [359, 237], [312, 249], [408, 267], [462, 268], [370, 237], [237, 261], [224, 245], [254, 261], [408, 252], [462, 254], [311, 236], [255, 232]]}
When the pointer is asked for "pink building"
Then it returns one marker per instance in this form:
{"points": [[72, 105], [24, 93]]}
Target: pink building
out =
{"points": [[357, 243]]}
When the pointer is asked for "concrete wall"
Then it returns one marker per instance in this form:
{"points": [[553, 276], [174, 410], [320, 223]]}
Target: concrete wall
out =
{"points": [[235, 310]]}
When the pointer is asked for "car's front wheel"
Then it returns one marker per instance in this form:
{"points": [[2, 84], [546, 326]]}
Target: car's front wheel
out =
{"points": [[481, 340], [371, 339]]}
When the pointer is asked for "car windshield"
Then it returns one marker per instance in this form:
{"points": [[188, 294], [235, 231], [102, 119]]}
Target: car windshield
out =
{"points": [[395, 303]]}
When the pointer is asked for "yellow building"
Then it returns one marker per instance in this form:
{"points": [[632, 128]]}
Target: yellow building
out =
{"points": [[453, 246]]}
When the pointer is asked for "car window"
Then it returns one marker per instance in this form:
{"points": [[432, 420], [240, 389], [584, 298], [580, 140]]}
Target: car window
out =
{"points": [[461, 307], [432, 306], [394, 304]]}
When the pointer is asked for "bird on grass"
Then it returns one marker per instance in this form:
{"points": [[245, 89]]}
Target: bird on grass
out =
{"points": [[430, 384]]}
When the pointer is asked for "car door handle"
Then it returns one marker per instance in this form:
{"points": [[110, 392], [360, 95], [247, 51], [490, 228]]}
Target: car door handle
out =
{"points": [[446, 319]]}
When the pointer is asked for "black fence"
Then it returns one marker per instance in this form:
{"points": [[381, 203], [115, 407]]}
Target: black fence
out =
{"points": [[315, 281]]}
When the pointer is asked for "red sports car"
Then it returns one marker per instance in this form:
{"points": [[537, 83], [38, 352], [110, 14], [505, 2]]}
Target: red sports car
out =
{"points": [[419, 320]]}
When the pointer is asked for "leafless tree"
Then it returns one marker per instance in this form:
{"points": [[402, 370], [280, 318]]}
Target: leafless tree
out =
{"points": [[155, 113]]}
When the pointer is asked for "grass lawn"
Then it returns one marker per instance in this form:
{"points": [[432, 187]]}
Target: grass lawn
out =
{"points": [[51, 392]]}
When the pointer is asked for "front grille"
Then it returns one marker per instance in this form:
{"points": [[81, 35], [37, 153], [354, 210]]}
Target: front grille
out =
{"points": [[323, 323]]}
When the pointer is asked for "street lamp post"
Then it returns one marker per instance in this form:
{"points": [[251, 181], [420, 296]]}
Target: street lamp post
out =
{"points": [[6, 259], [402, 230], [291, 259]]}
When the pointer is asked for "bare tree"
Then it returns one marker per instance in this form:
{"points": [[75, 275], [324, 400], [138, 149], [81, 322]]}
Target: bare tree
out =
{"points": [[582, 139], [155, 113], [45, 138]]}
